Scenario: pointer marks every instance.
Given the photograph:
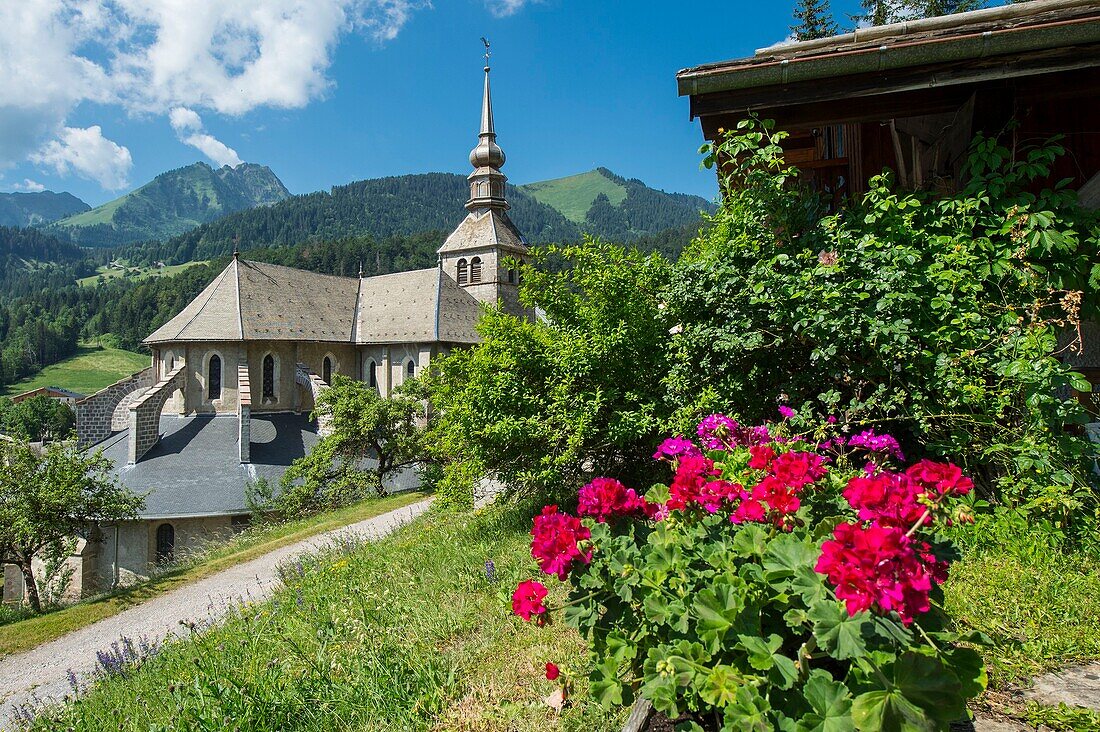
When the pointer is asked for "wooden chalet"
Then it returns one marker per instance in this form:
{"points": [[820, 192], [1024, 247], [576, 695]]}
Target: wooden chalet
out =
{"points": [[911, 96]]}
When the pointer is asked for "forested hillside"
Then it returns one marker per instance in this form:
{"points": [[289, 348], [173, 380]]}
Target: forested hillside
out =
{"points": [[173, 203], [31, 260], [31, 209], [411, 204], [615, 208]]}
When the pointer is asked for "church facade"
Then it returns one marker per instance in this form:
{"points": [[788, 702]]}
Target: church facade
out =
{"points": [[234, 375]]}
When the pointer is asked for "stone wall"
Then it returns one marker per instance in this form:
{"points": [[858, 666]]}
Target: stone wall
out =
{"points": [[95, 415], [313, 383], [145, 413], [244, 413]]}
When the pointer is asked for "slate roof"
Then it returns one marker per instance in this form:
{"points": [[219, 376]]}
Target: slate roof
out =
{"points": [[258, 301], [195, 469], [486, 230]]}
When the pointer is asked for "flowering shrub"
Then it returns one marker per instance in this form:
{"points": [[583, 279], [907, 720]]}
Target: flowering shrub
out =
{"points": [[777, 582]]}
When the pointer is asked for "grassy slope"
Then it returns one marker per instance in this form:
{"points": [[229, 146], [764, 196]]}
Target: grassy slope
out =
{"points": [[145, 273], [104, 214], [405, 634], [573, 196], [26, 634], [91, 369]]}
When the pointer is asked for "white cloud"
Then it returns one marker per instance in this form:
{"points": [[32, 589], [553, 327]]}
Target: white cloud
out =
{"points": [[28, 185], [214, 149], [183, 119], [87, 153], [504, 8], [152, 56], [188, 126]]}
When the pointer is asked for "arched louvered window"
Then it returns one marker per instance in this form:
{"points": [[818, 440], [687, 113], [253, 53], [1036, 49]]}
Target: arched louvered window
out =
{"points": [[475, 270], [269, 377], [372, 374], [166, 543], [214, 378], [410, 368], [326, 370], [463, 272]]}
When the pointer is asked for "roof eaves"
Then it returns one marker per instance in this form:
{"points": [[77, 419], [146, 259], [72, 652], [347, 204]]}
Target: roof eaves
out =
{"points": [[834, 61]]}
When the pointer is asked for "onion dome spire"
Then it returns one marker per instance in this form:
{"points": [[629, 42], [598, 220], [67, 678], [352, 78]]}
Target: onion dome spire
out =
{"points": [[487, 182]]}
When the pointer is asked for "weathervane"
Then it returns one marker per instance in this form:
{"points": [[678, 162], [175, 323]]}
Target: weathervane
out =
{"points": [[488, 53]]}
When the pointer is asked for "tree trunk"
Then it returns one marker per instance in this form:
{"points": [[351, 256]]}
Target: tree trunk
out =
{"points": [[32, 586]]}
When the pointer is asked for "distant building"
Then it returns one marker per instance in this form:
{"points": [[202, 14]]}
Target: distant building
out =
{"points": [[236, 373], [53, 392]]}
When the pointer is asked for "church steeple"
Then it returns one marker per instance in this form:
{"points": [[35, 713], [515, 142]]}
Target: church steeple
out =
{"points": [[487, 182]]}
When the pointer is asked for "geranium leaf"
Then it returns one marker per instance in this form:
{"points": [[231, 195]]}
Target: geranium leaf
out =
{"points": [[831, 703], [721, 685], [888, 711], [786, 554], [929, 685], [840, 635]]}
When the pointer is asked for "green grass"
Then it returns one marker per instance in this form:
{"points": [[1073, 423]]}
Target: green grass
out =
{"points": [[23, 635], [1042, 610], [103, 214], [406, 633], [135, 273], [91, 369], [573, 196]]}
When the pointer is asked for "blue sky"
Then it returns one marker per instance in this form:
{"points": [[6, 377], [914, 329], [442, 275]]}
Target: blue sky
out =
{"points": [[95, 99]]}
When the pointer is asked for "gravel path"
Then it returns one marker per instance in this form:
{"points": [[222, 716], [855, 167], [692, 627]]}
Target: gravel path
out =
{"points": [[41, 674]]}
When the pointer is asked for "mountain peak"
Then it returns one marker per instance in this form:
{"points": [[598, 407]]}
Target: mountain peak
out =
{"points": [[39, 207], [174, 202]]}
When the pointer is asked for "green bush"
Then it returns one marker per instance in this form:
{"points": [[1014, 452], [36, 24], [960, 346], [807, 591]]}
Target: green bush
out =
{"points": [[937, 318]]}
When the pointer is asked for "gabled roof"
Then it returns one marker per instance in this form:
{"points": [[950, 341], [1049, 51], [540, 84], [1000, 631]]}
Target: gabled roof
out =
{"points": [[421, 306], [254, 301], [486, 230]]}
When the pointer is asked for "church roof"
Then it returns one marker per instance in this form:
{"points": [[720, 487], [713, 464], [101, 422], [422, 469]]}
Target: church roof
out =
{"points": [[195, 469], [253, 301], [490, 229]]}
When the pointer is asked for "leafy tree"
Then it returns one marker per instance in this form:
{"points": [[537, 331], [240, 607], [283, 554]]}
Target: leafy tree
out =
{"points": [[364, 426], [814, 20], [541, 404], [48, 497], [935, 319], [36, 419]]}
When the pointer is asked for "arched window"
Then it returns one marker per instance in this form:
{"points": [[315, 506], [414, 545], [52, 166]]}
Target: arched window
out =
{"points": [[475, 270], [372, 374], [410, 368], [326, 370], [214, 378], [463, 275], [269, 377], [166, 543]]}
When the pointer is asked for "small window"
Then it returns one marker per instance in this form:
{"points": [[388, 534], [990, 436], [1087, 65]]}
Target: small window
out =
{"points": [[166, 541], [326, 370], [463, 272], [410, 368], [475, 270], [511, 277], [372, 374], [214, 378], [269, 377]]}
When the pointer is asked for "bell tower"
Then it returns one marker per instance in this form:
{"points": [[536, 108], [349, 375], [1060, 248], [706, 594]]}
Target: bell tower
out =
{"points": [[478, 254]]}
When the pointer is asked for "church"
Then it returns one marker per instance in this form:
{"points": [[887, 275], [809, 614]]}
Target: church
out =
{"points": [[234, 376]]}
